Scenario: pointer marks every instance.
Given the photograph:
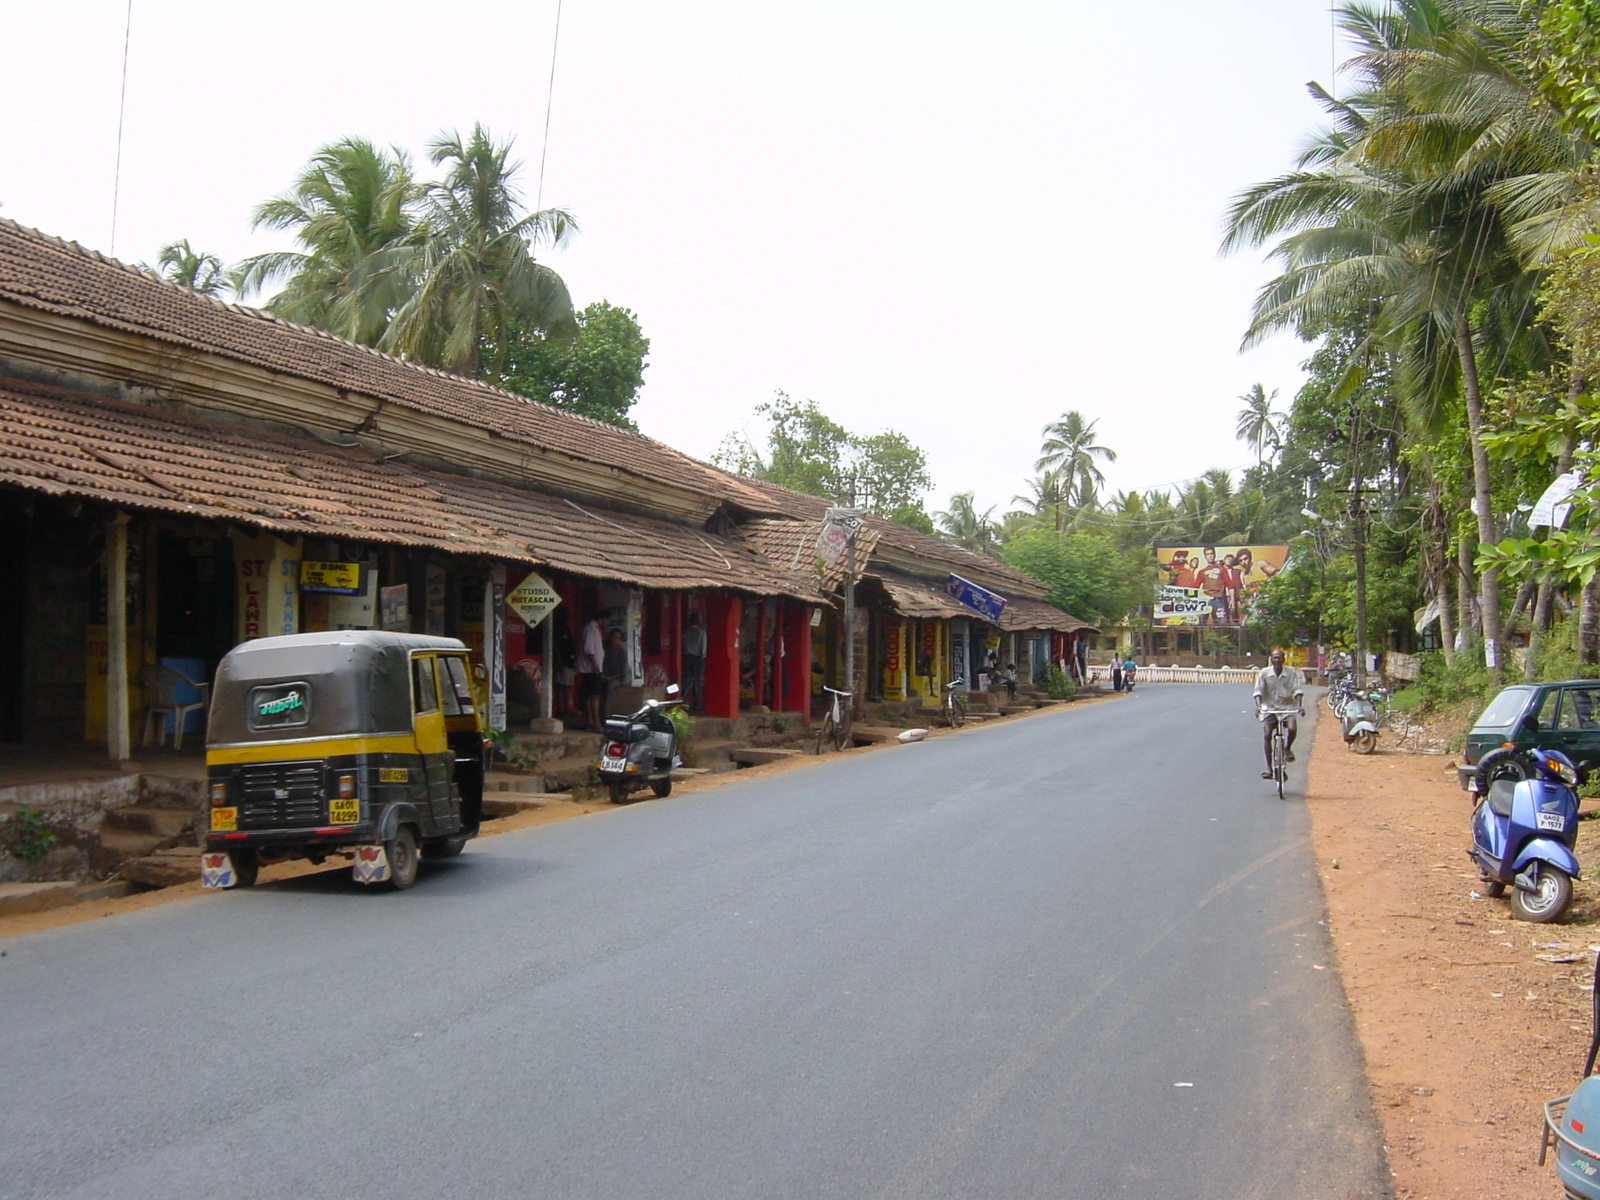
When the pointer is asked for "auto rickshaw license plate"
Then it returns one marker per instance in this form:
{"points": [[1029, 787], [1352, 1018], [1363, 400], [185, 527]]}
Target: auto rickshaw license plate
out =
{"points": [[224, 820], [344, 812], [393, 775]]}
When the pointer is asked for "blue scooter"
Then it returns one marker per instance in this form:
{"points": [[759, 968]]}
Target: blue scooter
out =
{"points": [[1568, 1121], [1524, 829]]}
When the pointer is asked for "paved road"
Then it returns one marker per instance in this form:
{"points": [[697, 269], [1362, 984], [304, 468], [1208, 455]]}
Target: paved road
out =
{"points": [[1078, 955]]}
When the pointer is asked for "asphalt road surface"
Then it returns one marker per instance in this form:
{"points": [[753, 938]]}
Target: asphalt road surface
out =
{"points": [[1077, 955]]}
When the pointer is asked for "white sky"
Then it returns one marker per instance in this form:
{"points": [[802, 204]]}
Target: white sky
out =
{"points": [[954, 220]]}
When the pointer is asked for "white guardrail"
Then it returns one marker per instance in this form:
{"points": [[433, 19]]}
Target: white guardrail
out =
{"points": [[1157, 674]]}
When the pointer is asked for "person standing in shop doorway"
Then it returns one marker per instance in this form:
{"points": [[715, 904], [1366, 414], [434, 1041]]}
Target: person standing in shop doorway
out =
{"points": [[591, 672], [694, 665]]}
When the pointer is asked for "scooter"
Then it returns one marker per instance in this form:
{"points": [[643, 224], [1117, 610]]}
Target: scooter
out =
{"points": [[641, 749], [1360, 721], [1567, 1120], [1524, 828]]}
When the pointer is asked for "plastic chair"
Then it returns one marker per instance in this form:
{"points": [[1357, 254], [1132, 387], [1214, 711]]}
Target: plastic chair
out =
{"points": [[162, 683]]}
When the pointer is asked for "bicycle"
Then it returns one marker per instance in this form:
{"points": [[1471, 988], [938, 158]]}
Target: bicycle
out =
{"points": [[835, 724], [955, 704], [1278, 771]]}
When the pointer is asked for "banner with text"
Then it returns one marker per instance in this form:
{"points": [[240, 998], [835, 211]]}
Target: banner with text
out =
{"points": [[1212, 585]]}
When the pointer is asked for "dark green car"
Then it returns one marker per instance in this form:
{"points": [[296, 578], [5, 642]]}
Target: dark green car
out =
{"points": [[1553, 716]]}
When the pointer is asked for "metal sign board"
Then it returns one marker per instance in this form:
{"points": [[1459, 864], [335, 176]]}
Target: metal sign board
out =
{"points": [[533, 599], [980, 600], [334, 578]]}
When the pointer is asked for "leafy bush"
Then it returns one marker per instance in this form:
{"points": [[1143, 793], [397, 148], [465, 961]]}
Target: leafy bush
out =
{"points": [[1056, 682], [32, 836]]}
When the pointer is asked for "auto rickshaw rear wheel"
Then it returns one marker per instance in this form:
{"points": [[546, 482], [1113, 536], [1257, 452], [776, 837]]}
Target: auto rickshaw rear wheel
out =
{"points": [[401, 851], [246, 866], [662, 787]]}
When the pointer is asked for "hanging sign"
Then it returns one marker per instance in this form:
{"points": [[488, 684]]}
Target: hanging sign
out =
{"points": [[1552, 507], [533, 599], [838, 530], [980, 600], [335, 578]]}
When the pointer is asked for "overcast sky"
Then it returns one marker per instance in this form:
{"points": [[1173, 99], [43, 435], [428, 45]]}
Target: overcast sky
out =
{"points": [[952, 220]]}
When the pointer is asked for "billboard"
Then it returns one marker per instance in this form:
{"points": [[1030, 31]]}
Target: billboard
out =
{"points": [[1212, 585]]}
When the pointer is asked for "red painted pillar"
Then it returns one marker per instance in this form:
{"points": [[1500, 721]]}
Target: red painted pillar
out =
{"points": [[797, 660], [674, 613], [722, 655], [758, 690]]}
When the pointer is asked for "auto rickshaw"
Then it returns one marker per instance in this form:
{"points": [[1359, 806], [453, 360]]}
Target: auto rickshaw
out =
{"points": [[358, 742]]}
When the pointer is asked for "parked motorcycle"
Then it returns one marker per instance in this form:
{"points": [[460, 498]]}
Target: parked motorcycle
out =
{"points": [[1360, 721], [1567, 1120], [1524, 828], [641, 749]]}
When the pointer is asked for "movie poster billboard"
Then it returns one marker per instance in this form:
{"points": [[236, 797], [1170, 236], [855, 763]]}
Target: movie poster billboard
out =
{"points": [[1212, 585]]}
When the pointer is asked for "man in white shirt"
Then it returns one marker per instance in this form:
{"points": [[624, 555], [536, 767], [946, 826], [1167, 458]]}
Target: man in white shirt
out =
{"points": [[1280, 696]]}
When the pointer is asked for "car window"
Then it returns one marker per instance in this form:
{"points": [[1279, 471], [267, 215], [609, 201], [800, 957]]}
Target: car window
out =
{"points": [[1580, 709], [457, 691], [1544, 709], [1504, 709], [426, 694]]}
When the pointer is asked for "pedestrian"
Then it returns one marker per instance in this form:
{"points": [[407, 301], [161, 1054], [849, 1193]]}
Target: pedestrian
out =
{"points": [[591, 672], [615, 664], [694, 664], [1010, 680], [1116, 672]]}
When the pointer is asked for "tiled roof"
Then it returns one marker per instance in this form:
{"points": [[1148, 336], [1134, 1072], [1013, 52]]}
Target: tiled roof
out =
{"points": [[60, 277], [1022, 614], [66, 443], [917, 598], [937, 554], [792, 545]]}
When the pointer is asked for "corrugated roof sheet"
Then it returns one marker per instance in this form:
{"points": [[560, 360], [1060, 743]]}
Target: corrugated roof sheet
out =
{"points": [[61, 277], [66, 443]]}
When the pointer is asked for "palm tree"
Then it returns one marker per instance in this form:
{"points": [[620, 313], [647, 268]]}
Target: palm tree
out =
{"points": [[477, 284], [352, 212], [1069, 450], [1418, 209], [1045, 502], [1258, 424], [964, 525], [182, 264]]}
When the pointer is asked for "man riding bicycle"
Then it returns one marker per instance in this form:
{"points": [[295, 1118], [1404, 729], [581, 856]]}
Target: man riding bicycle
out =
{"points": [[1280, 697]]}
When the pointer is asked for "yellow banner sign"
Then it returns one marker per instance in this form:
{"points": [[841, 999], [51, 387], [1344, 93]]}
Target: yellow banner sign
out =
{"points": [[341, 578]]}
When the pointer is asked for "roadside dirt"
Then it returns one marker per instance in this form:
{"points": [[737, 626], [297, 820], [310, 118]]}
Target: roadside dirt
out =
{"points": [[1469, 1020]]}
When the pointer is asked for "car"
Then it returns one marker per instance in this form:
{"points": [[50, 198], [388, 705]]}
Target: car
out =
{"points": [[1561, 716]]}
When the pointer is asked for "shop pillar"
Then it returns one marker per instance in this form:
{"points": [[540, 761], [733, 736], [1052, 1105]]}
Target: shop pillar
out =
{"points": [[796, 694], [723, 613]]}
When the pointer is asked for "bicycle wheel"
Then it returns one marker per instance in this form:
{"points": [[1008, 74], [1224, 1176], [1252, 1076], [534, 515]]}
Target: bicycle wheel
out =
{"points": [[825, 729], [957, 711], [841, 732], [1280, 769]]}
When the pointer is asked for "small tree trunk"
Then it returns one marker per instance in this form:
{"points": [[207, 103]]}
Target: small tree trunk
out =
{"points": [[1489, 580], [1466, 618], [1589, 623]]}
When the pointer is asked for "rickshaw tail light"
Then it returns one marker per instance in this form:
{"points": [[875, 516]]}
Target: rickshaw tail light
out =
{"points": [[219, 794], [347, 786], [616, 750]]}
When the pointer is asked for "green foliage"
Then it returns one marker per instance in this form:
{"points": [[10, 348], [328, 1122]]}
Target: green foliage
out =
{"points": [[810, 452], [1445, 682], [31, 835], [200, 272], [596, 374], [1088, 574], [1055, 682], [1568, 46]]}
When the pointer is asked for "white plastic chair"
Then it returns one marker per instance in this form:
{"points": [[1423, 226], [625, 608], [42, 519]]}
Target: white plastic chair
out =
{"points": [[161, 683]]}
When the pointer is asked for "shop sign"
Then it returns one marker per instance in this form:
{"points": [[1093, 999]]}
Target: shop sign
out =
{"points": [[980, 600], [335, 578], [533, 599], [394, 608], [838, 531]]}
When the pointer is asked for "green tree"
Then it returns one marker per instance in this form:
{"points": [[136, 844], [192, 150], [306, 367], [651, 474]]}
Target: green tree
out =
{"points": [[1258, 424], [597, 373], [182, 264], [1070, 451], [964, 525], [475, 285], [353, 215], [1088, 574], [882, 473]]}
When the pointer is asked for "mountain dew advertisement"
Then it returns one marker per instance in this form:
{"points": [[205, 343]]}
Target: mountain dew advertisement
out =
{"points": [[1212, 585]]}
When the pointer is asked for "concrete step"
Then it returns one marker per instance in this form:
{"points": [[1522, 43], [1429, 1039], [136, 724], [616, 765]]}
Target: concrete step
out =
{"points": [[135, 845], [162, 822], [178, 792], [504, 781], [18, 898], [760, 756], [168, 868]]}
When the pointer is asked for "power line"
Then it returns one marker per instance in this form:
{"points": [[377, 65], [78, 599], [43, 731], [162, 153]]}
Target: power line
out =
{"points": [[122, 110], [549, 101]]}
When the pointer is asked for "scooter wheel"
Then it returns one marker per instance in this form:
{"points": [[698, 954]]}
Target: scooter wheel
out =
{"points": [[1364, 742], [1493, 889], [618, 790], [1548, 901], [661, 787]]}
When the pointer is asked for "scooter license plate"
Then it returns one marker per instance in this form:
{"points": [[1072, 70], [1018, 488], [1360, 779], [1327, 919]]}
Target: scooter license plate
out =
{"points": [[1553, 821], [613, 765]]}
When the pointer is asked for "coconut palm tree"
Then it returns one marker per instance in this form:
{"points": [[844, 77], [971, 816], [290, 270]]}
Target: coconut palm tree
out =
{"points": [[1069, 450], [476, 283], [1258, 424], [1044, 504], [182, 264], [352, 213], [964, 525]]}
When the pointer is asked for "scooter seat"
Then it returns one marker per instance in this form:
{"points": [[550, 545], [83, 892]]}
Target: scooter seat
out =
{"points": [[1500, 793]]}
